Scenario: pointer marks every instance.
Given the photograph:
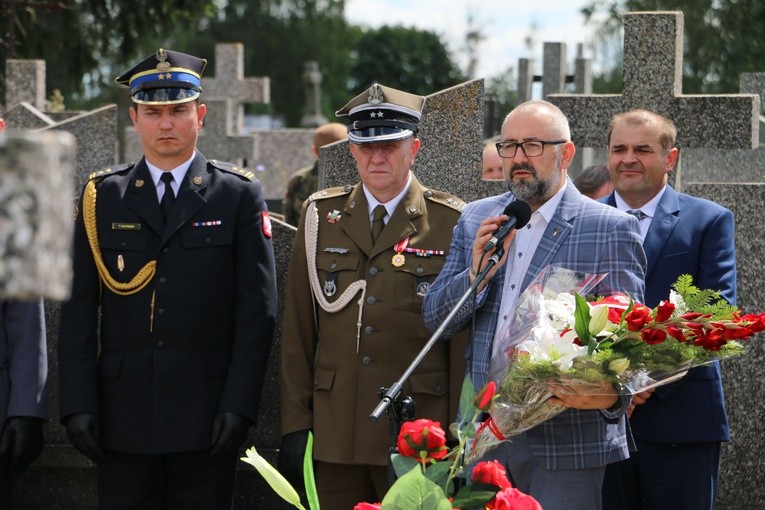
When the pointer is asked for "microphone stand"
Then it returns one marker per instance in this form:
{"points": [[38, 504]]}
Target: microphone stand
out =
{"points": [[400, 408]]}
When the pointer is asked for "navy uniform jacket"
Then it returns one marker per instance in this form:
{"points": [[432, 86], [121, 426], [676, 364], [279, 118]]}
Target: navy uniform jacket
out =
{"points": [[688, 235], [162, 362]]}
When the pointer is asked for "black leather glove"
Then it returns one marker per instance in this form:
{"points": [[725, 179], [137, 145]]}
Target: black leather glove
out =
{"points": [[290, 459], [22, 440], [229, 432], [85, 434]]}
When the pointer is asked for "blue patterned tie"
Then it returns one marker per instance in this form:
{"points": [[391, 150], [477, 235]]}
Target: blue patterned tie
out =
{"points": [[640, 215]]}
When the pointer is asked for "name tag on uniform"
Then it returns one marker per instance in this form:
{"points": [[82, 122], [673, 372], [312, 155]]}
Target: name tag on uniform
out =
{"points": [[126, 226]]}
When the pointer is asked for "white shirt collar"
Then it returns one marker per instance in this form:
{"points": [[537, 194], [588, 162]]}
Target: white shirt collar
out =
{"points": [[178, 172], [649, 208], [390, 205]]}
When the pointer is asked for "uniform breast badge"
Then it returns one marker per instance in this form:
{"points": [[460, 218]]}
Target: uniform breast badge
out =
{"points": [[329, 287], [398, 259], [334, 216]]}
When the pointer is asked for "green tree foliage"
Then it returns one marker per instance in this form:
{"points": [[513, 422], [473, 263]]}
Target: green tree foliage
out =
{"points": [[723, 38], [83, 41], [409, 59], [279, 36]]}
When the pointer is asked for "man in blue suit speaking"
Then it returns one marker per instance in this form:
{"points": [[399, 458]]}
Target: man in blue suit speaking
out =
{"points": [[678, 428], [560, 462]]}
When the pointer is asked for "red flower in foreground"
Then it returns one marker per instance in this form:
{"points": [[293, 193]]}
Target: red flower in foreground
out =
{"points": [[491, 472], [483, 399], [422, 440], [367, 506], [638, 317], [664, 311], [653, 336], [513, 499]]}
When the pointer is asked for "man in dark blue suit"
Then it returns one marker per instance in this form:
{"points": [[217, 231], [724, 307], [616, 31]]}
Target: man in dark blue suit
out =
{"points": [[678, 427], [164, 343]]}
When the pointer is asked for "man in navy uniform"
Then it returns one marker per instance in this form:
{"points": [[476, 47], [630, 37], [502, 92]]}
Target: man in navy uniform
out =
{"points": [[176, 252]]}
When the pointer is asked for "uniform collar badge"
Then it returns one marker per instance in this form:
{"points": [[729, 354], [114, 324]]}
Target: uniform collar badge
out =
{"points": [[197, 180], [139, 183]]}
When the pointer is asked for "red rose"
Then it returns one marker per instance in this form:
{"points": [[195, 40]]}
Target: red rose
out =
{"points": [[664, 311], [422, 440], [483, 399], [653, 336], [638, 317], [491, 472], [513, 499], [710, 340], [367, 506]]}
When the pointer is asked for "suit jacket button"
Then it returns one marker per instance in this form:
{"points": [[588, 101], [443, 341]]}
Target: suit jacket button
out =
{"points": [[368, 330], [367, 360], [160, 344]]}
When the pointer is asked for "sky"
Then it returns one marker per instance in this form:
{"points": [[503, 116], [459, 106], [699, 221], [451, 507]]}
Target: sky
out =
{"points": [[505, 24]]}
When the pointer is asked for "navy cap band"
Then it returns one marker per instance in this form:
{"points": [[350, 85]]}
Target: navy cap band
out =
{"points": [[165, 96]]}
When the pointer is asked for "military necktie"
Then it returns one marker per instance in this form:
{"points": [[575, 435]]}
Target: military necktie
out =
{"points": [[640, 215], [168, 197], [377, 222]]}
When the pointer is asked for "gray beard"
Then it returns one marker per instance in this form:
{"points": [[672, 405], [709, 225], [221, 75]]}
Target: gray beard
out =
{"points": [[533, 192]]}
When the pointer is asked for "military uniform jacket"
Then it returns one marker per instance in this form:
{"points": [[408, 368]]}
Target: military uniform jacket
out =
{"points": [[162, 362], [332, 364]]}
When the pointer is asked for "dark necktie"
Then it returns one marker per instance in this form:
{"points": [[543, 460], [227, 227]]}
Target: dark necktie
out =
{"points": [[377, 222], [640, 215], [168, 197]]}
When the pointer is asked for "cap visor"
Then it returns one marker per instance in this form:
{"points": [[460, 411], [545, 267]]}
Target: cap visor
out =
{"points": [[378, 134]]}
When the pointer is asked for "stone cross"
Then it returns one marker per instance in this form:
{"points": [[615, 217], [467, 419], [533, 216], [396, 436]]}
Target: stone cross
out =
{"points": [[312, 82], [653, 61], [25, 83], [36, 211], [554, 75], [452, 147], [229, 83], [730, 165]]}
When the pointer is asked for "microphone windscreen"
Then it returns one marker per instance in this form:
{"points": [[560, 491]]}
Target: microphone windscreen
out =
{"points": [[520, 210]]}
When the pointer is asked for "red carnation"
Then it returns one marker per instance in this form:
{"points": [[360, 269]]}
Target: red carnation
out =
{"points": [[513, 499]]}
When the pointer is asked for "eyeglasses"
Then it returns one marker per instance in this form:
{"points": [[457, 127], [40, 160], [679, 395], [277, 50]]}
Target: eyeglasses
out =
{"points": [[530, 149]]}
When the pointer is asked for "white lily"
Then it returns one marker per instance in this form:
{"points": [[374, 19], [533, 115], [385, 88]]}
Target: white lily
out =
{"points": [[547, 344], [278, 483]]}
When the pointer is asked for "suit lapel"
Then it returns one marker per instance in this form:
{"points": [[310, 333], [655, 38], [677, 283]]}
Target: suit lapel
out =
{"points": [[356, 223], [662, 225], [555, 234], [142, 198], [189, 199]]}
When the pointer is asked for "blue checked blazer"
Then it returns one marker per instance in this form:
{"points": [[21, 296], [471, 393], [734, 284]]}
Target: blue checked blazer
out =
{"points": [[585, 236]]}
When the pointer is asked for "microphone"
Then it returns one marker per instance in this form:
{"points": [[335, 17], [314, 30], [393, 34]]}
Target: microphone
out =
{"points": [[518, 215]]}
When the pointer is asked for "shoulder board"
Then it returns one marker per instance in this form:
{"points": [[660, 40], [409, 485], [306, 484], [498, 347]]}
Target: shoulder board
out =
{"points": [[232, 169], [443, 198], [331, 192], [112, 170]]}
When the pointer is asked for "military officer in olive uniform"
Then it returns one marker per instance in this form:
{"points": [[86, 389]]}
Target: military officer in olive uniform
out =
{"points": [[363, 260], [176, 252]]}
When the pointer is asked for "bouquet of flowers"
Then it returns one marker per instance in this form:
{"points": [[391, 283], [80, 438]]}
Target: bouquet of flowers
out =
{"points": [[556, 337], [426, 468]]}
